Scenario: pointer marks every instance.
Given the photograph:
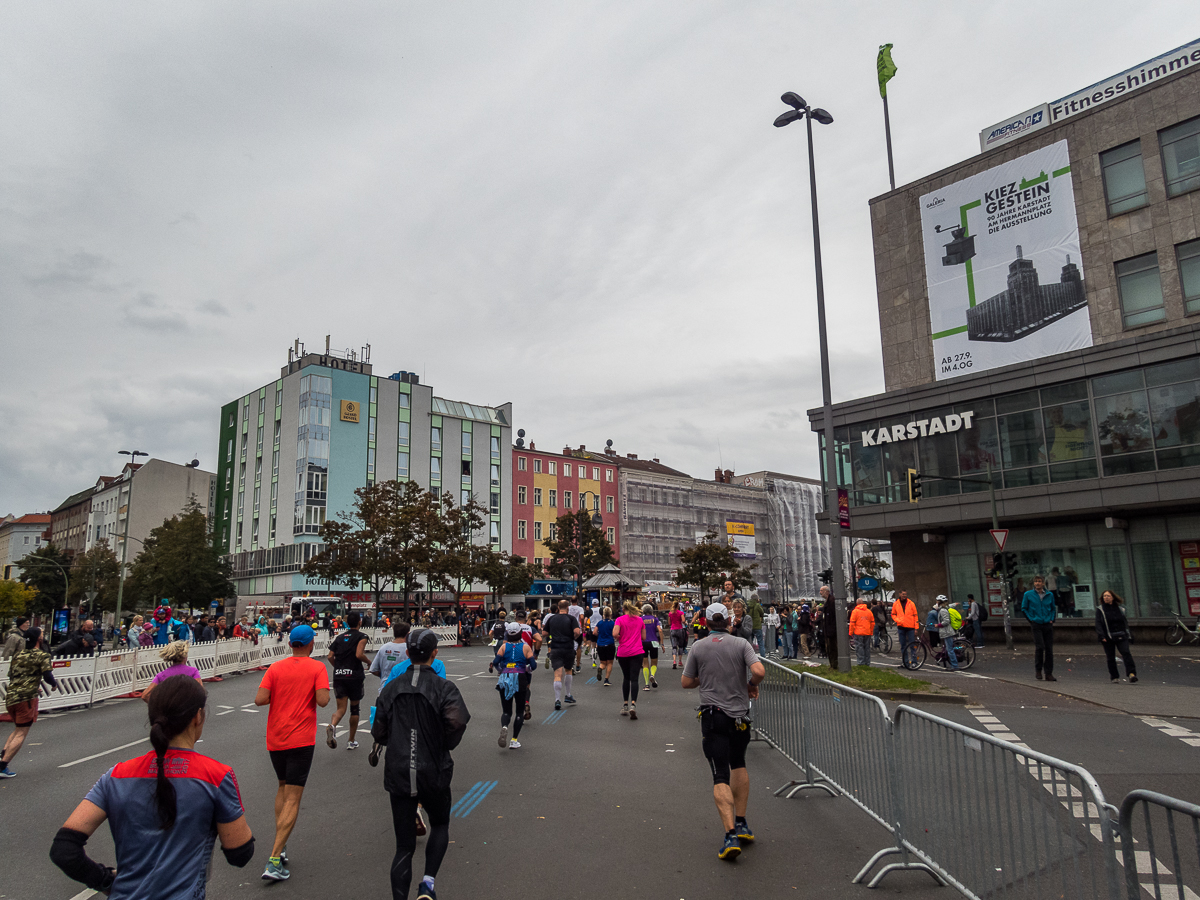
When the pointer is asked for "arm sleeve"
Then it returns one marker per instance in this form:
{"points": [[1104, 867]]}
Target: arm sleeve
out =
{"points": [[67, 852], [229, 800], [239, 856]]}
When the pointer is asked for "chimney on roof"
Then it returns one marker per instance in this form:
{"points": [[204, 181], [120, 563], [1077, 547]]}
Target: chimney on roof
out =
{"points": [[566, 451], [583, 447], [631, 455], [654, 459], [719, 476], [532, 446], [729, 476]]}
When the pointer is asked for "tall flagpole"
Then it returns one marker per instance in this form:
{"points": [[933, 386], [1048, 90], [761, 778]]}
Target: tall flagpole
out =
{"points": [[887, 130], [886, 70]]}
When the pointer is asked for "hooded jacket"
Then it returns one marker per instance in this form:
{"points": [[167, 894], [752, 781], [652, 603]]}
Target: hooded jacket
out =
{"points": [[1111, 622], [420, 718]]}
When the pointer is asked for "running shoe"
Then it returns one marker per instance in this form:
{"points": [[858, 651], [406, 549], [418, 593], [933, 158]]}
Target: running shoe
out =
{"points": [[625, 708], [731, 848], [646, 688], [528, 713], [425, 892], [514, 744], [283, 860], [421, 829], [352, 745], [557, 704], [654, 683], [578, 669], [568, 699], [7, 773], [673, 666], [607, 683], [743, 831], [275, 871], [373, 756], [330, 737], [503, 739], [1132, 680], [632, 711]]}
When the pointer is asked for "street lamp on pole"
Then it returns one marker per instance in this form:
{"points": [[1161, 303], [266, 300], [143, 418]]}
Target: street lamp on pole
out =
{"points": [[801, 110], [133, 455], [597, 522]]}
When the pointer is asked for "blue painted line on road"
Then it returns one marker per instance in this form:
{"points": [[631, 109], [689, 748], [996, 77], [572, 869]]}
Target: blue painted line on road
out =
{"points": [[468, 797], [554, 717], [465, 811], [592, 680]]}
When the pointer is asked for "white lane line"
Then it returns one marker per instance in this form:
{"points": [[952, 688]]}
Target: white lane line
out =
{"points": [[84, 894], [1170, 729], [103, 753]]}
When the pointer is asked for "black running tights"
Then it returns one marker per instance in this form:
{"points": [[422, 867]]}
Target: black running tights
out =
{"points": [[631, 669], [506, 706], [404, 821]]}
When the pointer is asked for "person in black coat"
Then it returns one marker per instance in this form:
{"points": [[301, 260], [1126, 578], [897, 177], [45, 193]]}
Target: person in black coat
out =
{"points": [[1113, 630]]}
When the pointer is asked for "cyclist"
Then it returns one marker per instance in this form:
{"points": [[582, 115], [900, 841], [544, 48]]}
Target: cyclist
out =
{"points": [[946, 631]]}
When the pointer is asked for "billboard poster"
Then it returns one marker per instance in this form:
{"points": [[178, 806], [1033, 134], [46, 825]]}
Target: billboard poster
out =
{"points": [[741, 538], [1002, 266]]}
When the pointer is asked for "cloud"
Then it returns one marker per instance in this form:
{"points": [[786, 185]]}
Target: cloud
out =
{"points": [[213, 308], [146, 312]]}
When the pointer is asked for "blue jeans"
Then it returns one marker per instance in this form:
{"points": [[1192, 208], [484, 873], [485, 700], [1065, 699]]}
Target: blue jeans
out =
{"points": [[908, 638], [862, 648], [978, 633], [760, 637], [948, 646]]}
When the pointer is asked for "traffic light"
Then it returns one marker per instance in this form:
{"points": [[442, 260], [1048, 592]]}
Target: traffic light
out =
{"points": [[914, 485], [827, 576], [1010, 565], [996, 569]]}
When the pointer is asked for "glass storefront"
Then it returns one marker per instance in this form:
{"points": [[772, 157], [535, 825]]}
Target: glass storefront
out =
{"points": [[1133, 421]]}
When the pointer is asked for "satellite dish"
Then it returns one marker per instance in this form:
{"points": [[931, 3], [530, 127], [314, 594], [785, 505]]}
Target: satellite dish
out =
{"points": [[520, 442], [520, 432], [608, 443], [195, 463]]}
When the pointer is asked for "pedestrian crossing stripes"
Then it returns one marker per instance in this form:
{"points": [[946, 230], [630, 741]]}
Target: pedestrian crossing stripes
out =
{"points": [[554, 717], [1170, 729], [472, 798]]}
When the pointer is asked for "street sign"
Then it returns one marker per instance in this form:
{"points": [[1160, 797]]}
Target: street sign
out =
{"points": [[213, 605], [1000, 536], [867, 583], [91, 595]]}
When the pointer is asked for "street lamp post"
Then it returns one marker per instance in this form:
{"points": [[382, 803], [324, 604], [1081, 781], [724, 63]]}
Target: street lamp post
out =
{"points": [[133, 455], [597, 522], [801, 110]]}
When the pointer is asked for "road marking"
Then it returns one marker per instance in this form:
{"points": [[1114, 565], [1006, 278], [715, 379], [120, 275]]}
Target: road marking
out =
{"points": [[84, 894], [472, 798], [1170, 729], [103, 753]]}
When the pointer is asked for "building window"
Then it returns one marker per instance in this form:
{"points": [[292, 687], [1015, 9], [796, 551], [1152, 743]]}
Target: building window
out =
{"points": [[403, 401], [608, 503], [262, 404], [275, 462], [402, 434], [435, 439], [1141, 290], [537, 466], [1181, 156], [520, 464], [1189, 274], [608, 474], [229, 451], [435, 468], [521, 495], [494, 535], [596, 502], [553, 531], [371, 428], [495, 507], [537, 531], [466, 497], [466, 443], [495, 476], [566, 469], [1124, 178], [466, 469], [554, 498], [401, 465], [595, 473], [553, 468], [371, 462], [520, 529], [566, 499], [537, 496], [495, 448], [612, 535]]}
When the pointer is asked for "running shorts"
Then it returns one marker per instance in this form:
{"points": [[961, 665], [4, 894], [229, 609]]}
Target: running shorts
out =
{"points": [[648, 649], [562, 659], [679, 639], [724, 741], [607, 653], [292, 765], [25, 713], [350, 688]]}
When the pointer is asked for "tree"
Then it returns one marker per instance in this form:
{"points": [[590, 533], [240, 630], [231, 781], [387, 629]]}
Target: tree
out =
{"points": [[458, 560], [710, 563], [179, 563], [97, 570], [573, 533], [43, 570], [505, 573], [874, 566], [15, 600]]}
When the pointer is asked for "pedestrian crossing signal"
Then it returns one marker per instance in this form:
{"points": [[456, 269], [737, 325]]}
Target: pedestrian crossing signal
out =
{"points": [[914, 485], [827, 576]]}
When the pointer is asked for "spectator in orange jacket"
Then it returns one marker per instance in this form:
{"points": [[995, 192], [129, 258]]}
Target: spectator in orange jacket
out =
{"points": [[904, 614], [862, 630]]}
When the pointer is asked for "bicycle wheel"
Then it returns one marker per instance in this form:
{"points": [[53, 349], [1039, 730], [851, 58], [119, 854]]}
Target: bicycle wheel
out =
{"points": [[919, 653], [885, 642], [1175, 634], [965, 654]]}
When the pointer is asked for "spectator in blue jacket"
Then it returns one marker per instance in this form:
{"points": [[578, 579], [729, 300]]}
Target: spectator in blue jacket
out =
{"points": [[1039, 608]]}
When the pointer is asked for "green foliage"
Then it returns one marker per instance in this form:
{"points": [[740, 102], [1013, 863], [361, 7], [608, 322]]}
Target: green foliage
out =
{"points": [[43, 570], [573, 532], [179, 562], [98, 570], [876, 567], [710, 563], [15, 600], [459, 561], [504, 573]]}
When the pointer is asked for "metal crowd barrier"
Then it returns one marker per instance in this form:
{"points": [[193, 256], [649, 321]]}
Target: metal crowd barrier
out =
{"points": [[1158, 810], [84, 680]]}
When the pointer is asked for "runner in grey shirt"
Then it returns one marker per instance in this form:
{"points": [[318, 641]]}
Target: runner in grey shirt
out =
{"points": [[390, 653], [727, 671]]}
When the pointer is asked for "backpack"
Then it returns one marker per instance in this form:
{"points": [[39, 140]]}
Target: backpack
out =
{"points": [[955, 618], [983, 613]]}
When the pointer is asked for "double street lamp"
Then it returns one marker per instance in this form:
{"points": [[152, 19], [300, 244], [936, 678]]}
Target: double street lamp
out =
{"points": [[801, 110]]}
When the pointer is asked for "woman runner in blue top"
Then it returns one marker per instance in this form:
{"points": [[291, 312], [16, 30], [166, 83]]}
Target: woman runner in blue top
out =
{"points": [[651, 642], [165, 810], [513, 659], [606, 644]]}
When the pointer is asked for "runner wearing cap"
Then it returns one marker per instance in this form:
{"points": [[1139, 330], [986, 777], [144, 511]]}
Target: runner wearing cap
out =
{"points": [[727, 671], [514, 658], [421, 718], [293, 687]]}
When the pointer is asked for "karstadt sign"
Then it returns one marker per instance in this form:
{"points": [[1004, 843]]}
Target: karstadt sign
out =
{"points": [[918, 428]]}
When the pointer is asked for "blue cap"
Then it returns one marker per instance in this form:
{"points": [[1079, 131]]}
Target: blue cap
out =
{"points": [[301, 636]]}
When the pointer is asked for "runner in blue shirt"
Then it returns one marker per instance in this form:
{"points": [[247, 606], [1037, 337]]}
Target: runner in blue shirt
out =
{"points": [[606, 644]]}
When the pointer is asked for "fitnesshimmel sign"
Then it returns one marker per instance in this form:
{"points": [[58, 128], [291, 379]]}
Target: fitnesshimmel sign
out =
{"points": [[918, 428], [1002, 265], [1178, 60]]}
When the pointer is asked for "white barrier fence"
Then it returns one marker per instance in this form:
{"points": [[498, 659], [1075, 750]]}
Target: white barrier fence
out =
{"points": [[84, 680]]}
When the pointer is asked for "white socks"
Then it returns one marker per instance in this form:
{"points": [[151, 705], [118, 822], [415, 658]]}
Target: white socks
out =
{"points": [[558, 690], [567, 678]]}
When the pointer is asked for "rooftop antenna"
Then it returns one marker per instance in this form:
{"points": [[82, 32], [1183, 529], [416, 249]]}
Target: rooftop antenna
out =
{"points": [[720, 459], [326, 345]]}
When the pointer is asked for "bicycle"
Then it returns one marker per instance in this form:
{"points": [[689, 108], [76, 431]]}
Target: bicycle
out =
{"points": [[885, 640], [1175, 633], [964, 652]]}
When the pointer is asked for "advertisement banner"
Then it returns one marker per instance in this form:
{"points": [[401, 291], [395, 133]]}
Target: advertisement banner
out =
{"points": [[741, 538], [1002, 266]]}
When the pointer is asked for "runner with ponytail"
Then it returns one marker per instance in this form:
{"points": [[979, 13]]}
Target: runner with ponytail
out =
{"points": [[165, 809]]}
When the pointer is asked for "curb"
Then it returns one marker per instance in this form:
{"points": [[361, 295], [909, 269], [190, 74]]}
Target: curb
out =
{"points": [[920, 697]]}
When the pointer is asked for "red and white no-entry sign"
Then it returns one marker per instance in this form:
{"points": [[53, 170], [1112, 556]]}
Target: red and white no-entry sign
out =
{"points": [[1000, 536]]}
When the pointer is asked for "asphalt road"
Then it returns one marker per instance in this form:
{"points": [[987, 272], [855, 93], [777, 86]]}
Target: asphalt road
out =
{"points": [[593, 805]]}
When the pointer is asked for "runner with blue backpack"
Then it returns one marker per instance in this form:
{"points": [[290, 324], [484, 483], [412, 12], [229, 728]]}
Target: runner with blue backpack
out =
{"points": [[514, 658]]}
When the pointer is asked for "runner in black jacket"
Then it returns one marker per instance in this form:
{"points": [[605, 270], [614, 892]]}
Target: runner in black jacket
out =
{"points": [[422, 717]]}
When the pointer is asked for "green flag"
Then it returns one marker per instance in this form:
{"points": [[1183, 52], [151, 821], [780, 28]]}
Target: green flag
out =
{"points": [[887, 68]]}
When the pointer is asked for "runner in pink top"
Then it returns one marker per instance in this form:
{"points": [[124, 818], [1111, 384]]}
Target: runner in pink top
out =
{"points": [[628, 632], [678, 635]]}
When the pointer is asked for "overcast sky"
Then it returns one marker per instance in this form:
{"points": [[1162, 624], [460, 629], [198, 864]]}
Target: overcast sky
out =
{"points": [[580, 207]]}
